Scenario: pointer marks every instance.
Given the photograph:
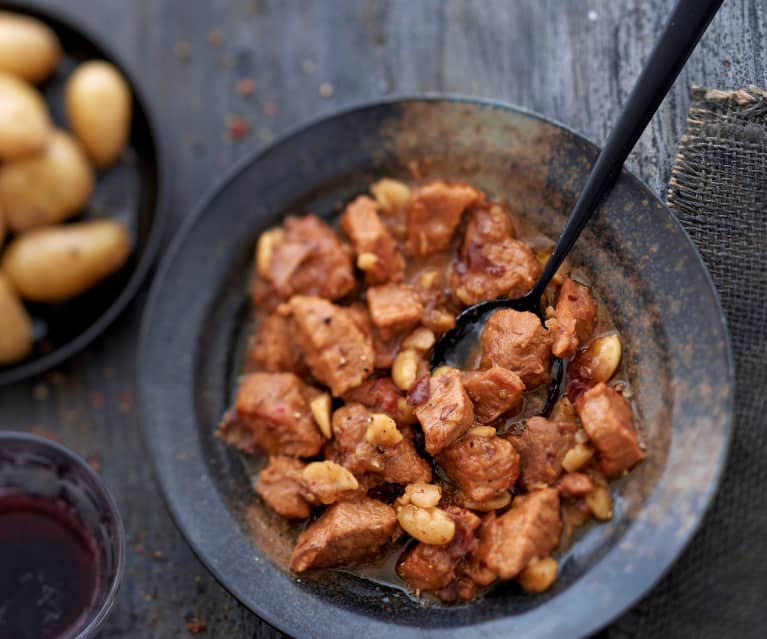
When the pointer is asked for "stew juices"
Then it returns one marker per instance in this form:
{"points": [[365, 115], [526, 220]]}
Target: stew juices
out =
{"points": [[455, 471]]}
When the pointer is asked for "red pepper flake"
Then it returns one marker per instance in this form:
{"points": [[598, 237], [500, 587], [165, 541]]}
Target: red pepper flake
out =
{"points": [[158, 555], [43, 432], [246, 87], [216, 37], [40, 392], [97, 400], [124, 402], [95, 462], [196, 625], [237, 127], [139, 549], [270, 108]]}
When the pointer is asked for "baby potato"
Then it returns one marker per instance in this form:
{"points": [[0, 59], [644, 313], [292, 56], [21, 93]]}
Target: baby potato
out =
{"points": [[15, 325], [24, 122], [57, 263], [98, 105], [46, 188], [29, 49]]}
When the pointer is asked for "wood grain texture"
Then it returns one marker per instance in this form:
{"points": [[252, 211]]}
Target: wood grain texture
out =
{"points": [[572, 60]]}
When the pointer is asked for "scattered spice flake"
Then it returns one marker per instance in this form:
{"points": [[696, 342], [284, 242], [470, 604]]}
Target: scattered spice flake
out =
{"points": [[97, 400], [246, 87], [307, 66], [40, 392], [138, 549], [196, 625], [38, 429], [109, 372], [216, 37], [57, 378], [270, 108], [183, 50], [124, 402], [236, 127], [326, 89], [158, 554], [95, 462]]}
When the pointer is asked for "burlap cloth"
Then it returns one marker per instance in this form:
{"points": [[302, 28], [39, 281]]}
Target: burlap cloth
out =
{"points": [[718, 190]]}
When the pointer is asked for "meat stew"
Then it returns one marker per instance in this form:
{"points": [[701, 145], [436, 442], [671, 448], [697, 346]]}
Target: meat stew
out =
{"points": [[454, 471]]}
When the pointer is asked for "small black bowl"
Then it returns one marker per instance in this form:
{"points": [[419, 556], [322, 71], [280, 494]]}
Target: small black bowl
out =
{"points": [[134, 190], [645, 269]]}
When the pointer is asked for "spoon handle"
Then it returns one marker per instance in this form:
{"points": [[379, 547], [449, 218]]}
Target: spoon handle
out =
{"points": [[684, 28]]}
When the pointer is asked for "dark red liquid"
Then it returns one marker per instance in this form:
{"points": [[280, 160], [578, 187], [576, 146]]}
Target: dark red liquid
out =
{"points": [[49, 571]]}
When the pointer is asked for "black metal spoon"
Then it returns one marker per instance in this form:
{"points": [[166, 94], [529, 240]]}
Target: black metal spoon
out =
{"points": [[684, 28]]}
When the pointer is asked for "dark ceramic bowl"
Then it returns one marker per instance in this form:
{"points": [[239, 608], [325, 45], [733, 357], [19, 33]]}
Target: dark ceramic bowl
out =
{"points": [[134, 191], [647, 271]]}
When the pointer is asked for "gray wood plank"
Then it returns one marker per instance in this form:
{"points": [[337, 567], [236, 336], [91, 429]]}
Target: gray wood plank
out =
{"points": [[573, 60]]}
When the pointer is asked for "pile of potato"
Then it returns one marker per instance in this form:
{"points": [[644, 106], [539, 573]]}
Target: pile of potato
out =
{"points": [[47, 177]]}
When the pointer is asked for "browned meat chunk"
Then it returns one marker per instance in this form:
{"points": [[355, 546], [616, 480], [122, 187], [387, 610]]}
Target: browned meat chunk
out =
{"points": [[530, 528], [519, 342], [346, 532], [382, 396], [575, 317], [606, 417], [491, 263], [307, 258], [377, 253], [482, 466], [271, 412], [394, 307], [434, 212], [403, 464], [428, 567], [279, 485], [488, 224], [576, 485], [542, 446], [274, 347], [399, 463], [349, 446], [338, 353], [494, 391], [385, 350], [447, 413]]}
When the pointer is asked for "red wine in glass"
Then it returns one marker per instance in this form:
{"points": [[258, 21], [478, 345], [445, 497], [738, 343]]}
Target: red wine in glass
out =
{"points": [[49, 569]]}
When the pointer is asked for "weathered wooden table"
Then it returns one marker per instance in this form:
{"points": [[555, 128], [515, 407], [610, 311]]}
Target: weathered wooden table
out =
{"points": [[572, 60]]}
